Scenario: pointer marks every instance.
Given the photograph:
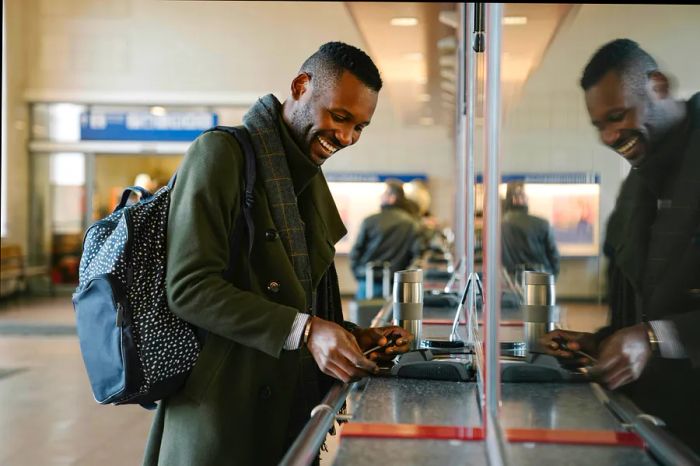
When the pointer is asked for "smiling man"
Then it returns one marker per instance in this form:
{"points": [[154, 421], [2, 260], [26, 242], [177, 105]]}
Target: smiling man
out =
{"points": [[652, 346], [276, 339]]}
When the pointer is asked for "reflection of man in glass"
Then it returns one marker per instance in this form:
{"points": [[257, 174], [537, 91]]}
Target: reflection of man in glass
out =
{"points": [[528, 241], [651, 346]]}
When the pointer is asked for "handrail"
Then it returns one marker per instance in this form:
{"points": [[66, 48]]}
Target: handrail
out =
{"points": [[306, 446], [664, 446]]}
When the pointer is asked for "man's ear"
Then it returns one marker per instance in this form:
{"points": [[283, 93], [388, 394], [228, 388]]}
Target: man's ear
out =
{"points": [[300, 85], [658, 85]]}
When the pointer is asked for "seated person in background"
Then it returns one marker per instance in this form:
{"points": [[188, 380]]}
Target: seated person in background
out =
{"points": [[392, 235], [527, 241]]}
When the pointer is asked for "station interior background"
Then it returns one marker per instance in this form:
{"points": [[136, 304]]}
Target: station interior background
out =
{"points": [[63, 57]]}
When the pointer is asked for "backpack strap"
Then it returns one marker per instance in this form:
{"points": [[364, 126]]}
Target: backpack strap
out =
{"points": [[243, 137]]}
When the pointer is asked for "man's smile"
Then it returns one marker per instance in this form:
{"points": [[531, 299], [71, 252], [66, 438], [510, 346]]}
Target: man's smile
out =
{"points": [[327, 146]]}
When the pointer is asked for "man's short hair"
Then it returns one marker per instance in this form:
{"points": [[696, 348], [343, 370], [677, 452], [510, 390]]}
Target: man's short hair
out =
{"points": [[624, 56], [515, 194], [328, 63], [395, 188]]}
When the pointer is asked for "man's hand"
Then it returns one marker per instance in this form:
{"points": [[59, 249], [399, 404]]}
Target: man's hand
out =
{"points": [[623, 356], [336, 352], [575, 341], [369, 338]]}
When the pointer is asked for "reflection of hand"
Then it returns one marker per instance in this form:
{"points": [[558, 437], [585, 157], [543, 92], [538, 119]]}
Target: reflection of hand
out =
{"points": [[368, 338], [575, 341], [336, 352], [623, 356]]}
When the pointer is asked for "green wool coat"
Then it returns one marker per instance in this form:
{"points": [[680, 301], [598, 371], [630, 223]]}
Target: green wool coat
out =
{"points": [[235, 405]]}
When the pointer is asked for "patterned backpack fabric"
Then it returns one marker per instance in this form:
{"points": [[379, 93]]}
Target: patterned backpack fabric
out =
{"points": [[134, 348]]}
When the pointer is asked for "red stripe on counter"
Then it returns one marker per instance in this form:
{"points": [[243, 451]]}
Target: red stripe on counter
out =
{"points": [[410, 431], [429, 432], [576, 437]]}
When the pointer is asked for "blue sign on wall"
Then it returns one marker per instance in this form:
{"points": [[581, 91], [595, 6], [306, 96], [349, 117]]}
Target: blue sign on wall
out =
{"points": [[144, 126]]}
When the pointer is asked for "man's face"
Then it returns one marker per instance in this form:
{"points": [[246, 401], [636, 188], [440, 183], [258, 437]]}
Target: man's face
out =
{"points": [[624, 118], [326, 120]]}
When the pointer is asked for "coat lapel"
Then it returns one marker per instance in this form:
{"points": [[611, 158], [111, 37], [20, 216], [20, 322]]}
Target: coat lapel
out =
{"points": [[324, 226]]}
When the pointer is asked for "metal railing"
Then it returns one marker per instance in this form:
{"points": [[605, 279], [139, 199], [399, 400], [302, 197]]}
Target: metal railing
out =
{"points": [[666, 448], [305, 448]]}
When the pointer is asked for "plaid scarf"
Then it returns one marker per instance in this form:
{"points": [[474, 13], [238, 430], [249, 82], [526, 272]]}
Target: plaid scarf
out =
{"points": [[262, 123]]}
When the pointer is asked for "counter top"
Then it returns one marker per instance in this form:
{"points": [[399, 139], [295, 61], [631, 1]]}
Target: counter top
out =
{"points": [[557, 406]]}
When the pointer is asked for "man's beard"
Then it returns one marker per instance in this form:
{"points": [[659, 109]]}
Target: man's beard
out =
{"points": [[301, 124]]}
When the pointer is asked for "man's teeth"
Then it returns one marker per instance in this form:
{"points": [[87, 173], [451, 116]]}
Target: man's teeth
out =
{"points": [[625, 148], [327, 145]]}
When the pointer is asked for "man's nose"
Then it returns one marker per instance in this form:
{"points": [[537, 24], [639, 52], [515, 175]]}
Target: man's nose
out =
{"points": [[609, 136], [344, 136]]}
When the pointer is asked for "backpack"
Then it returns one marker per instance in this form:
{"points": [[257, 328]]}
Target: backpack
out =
{"points": [[134, 348]]}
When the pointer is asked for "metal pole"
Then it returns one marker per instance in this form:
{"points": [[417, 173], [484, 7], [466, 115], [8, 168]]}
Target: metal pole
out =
{"points": [[492, 231], [461, 137], [470, 57]]}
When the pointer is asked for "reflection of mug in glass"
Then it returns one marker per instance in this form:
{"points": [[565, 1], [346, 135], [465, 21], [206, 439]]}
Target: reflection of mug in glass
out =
{"points": [[408, 303]]}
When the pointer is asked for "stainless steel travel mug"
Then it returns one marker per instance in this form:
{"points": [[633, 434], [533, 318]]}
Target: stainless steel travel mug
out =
{"points": [[408, 303], [540, 314]]}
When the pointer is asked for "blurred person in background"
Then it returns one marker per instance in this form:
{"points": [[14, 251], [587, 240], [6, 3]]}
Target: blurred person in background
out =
{"points": [[527, 241], [275, 335], [391, 235], [651, 349], [430, 232]]}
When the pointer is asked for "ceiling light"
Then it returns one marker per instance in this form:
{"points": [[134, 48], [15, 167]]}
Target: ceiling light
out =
{"points": [[448, 74], [404, 21], [448, 18], [448, 61], [422, 80], [158, 111], [448, 43], [415, 56], [514, 20], [423, 97]]}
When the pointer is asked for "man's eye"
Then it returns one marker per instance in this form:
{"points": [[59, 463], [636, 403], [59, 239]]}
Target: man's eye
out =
{"points": [[337, 117], [616, 117]]}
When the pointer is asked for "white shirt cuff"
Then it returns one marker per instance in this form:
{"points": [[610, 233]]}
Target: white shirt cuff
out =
{"points": [[293, 341], [669, 345]]}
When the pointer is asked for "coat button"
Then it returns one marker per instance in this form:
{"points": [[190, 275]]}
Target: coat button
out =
{"points": [[271, 235], [273, 287], [265, 393]]}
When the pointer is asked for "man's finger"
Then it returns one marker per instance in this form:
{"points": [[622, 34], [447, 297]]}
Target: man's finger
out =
{"points": [[339, 372], [354, 363]]}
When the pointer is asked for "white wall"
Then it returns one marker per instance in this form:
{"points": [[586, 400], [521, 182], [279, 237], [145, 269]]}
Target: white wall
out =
{"points": [[548, 129]]}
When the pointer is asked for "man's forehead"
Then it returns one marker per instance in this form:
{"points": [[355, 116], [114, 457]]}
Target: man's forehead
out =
{"points": [[611, 90], [352, 95]]}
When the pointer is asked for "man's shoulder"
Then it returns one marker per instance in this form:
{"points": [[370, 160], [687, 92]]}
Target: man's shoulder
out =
{"points": [[216, 146]]}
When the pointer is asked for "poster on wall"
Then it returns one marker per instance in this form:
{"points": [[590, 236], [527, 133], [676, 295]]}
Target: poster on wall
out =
{"points": [[568, 201], [357, 196]]}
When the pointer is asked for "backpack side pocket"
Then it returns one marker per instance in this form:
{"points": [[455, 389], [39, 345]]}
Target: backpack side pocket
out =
{"points": [[99, 310]]}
